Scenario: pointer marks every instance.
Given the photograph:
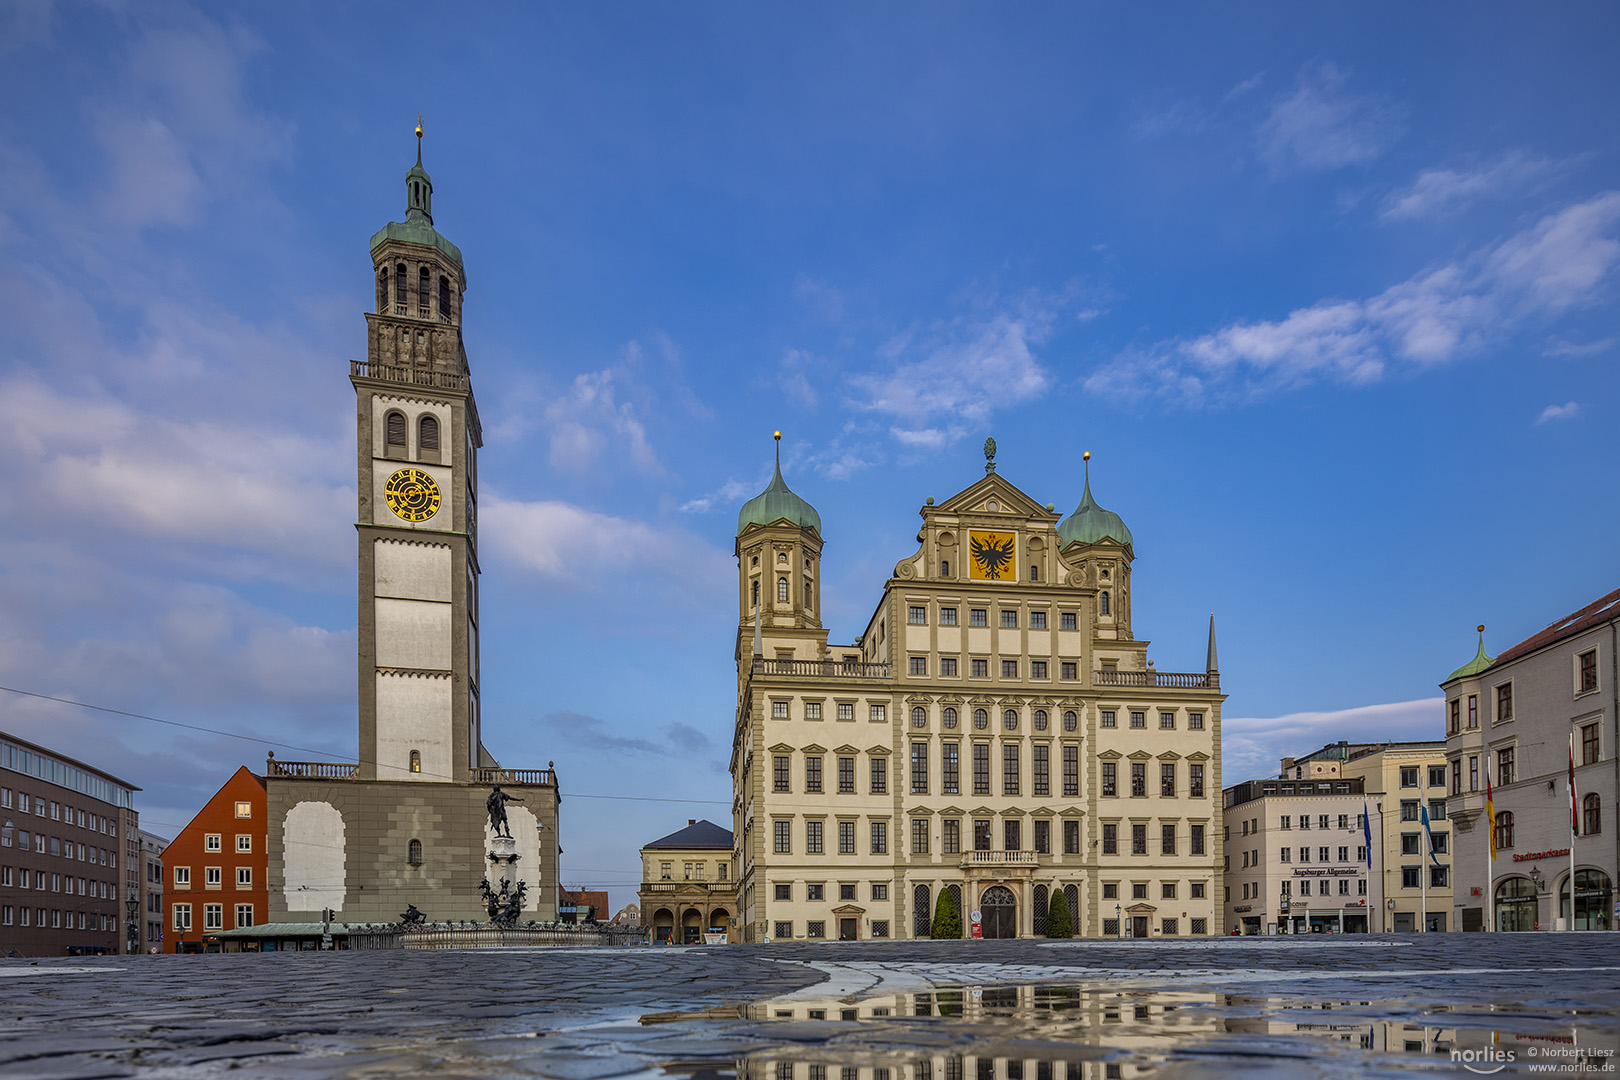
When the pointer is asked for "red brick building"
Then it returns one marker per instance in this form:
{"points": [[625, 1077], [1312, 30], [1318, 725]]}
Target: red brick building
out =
{"points": [[218, 869]]}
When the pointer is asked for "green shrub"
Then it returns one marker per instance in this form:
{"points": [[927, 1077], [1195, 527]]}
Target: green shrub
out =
{"points": [[1059, 923], [947, 919]]}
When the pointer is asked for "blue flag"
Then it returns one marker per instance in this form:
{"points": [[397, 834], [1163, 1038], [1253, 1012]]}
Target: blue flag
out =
{"points": [[1366, 831], [1423, 816]]}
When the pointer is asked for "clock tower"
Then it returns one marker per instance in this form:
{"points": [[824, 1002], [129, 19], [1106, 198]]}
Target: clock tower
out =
{"points": [[418, 436]]}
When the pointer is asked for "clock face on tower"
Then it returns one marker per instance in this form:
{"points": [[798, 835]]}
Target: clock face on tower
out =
{"points": [[412, 494]]}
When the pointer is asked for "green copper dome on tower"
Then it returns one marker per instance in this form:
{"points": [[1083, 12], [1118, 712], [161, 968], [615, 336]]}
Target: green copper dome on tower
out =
{"points": [[417, 228], [1090, 523], [777, 502], [1478, 664]]}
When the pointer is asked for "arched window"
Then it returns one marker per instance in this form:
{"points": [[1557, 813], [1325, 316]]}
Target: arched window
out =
{"points": [[1040, 719], [444, 297], [424, 287], [1592, 814], [781, 591], [396, 429], [382, 289], [981, 719], [400, 285], [427, 433], [1009, 719], [807, 594], [1504, 829], [416, 761], [922, 920], [944, 568], [1034, 572], [414, 853], [1102, 602], [919, 716], [756, 594], [781, 557], [1070, 721], [948, 718]]}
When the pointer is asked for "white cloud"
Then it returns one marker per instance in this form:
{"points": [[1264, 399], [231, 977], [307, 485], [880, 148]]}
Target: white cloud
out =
{"points": [[1252, 747], [793, 376], [1242, 88], [1436, 192], [1567, 411], [590, 419], [826, 301], [1430, 318], [1320, 125], [1580, 348]]}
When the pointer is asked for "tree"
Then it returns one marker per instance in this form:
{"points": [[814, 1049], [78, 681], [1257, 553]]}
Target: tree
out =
{"points": [[1058, 921], [947, 919]]}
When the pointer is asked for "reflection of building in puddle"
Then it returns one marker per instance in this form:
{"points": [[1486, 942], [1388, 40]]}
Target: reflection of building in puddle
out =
{"points": [[1041, 1032], [1342, 1022]]}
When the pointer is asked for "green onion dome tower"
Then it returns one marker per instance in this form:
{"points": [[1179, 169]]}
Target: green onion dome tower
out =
{"points": [[1096, 542]]}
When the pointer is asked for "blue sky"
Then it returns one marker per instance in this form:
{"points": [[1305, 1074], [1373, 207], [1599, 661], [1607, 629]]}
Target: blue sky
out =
{"points": [[1329, 295]]}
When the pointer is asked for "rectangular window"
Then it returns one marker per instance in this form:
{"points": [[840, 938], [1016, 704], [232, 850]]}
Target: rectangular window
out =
{"points": [[1409, 776], [244, 842], [917, 616], [1167, 780], [1587, 680], [919, 768], [1456, 776], [812, 891], [779, 710], [213, 917], [918, 665], [981, 768], [1195, 721], [1109, 718], [1037, 620], [1409, 877], [784, 837], [1041, 769], [880, 838], [978, 617], [1167, 839], [878, 714], [1110, 784], [1504, 703], [1012, 836], [1589, 744], [812, 710], [846, 710], [1454, 724], [1473, 772], [947, 665], [981, 669], [981, 835], [1409, 810], [784, 930], [1042, 830], [182, 917], [1197, 844], [880, 929], [846, 838], [1504, 767], [779, 773], [947, 616], [951, 836], [1009, 669], [1439, 877], [1139, 840], [950, 768], [1473, 711], [244, 877], [1138, 719], [812, 774], [1167, 721], [880, 776], [815, 928], [846, 775], [244, 915], [1037, 669], [1195, 780], [919, 836], [211, 842], [1071, 838], [813, 838], [1009, 619], [1139, 779], [1437, 811], [1071, 670], [1009, 770], [1437, 776]]}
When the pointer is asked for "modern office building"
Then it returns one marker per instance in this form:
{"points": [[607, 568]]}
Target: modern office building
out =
{"points": [[69, 854], [997, 732], [1296, 857], [1526, 720]]}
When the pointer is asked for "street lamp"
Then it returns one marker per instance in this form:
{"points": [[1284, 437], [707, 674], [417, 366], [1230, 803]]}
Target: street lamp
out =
{"points": [[133, 906], [1119, 921]]}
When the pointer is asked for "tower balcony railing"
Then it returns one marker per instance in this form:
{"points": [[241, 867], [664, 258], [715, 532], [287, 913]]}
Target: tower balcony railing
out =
{"points": [[1172, 680], [998, 858], [313, 770], [516, 777], [822, 668], [439, 380]]}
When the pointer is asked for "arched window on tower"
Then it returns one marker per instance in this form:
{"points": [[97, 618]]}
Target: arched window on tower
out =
{"points": [[444, 299], [428, 433], [756, 594], [400, 285], [416, 761], [807, 594], [424, 289], [382, 290], [414, 853], [781, 590], [396, 429], [944, 568], [1102, 603]]}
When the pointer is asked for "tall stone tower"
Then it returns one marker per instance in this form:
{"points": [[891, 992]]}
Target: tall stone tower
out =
{"points": [[778, 576], [418, 433]]}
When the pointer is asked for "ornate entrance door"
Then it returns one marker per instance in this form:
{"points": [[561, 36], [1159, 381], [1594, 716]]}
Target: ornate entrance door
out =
{"points": [[999, 907]]}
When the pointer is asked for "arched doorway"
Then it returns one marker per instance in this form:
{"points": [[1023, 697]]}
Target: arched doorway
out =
{"points": [[720, 921], [692, 926], [663, 922], [1516, 904], [999, 907], [1593, 895]]}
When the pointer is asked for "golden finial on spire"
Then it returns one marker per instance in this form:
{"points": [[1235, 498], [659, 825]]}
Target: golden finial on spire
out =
{"points": [[418, 125], [1086, 456], [778, 436], [1481, 628]]}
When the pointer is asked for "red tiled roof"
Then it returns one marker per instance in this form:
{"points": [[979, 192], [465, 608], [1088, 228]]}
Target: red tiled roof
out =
{"points": [[1598, 611]]}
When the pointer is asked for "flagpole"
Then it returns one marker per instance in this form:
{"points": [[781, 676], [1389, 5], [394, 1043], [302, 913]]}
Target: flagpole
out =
{"points": [[1490, 848], [1574, 823]]}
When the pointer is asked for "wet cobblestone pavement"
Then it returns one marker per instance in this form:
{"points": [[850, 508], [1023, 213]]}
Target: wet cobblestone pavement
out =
{"points": [[1013, 1010]]}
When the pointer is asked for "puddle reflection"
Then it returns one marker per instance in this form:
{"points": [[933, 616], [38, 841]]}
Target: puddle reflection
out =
{"points": [[1073, 1032]]}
